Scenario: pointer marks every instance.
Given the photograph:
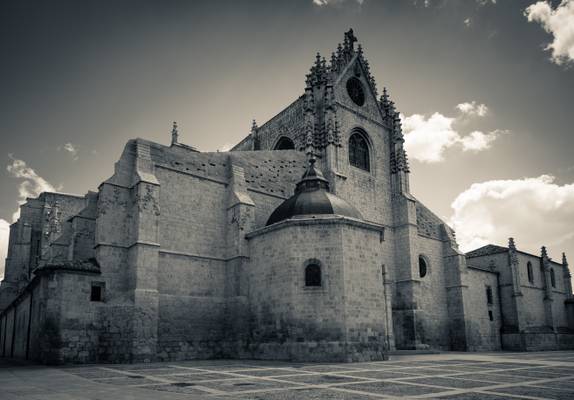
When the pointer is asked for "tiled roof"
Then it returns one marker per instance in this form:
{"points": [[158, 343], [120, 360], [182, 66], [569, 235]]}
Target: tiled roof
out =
{"points": [[486, 251]]}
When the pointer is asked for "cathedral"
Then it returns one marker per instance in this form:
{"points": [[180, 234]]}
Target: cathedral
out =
{"points": [[302, 243]]}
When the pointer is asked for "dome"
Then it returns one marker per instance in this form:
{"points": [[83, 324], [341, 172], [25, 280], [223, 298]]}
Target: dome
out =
{"points": [[312, 197]]}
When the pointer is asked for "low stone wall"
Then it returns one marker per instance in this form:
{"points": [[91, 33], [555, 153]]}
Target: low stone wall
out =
{"points": [[537, 341]]}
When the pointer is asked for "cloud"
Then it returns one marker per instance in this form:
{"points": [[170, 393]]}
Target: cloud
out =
{"points": [[321, 3], [560, 23], [472, 109], [427, 138], [482, 3], [468, 22], [4, 234], [478, 141], [535, 211], [32, 184], [70, 148]]}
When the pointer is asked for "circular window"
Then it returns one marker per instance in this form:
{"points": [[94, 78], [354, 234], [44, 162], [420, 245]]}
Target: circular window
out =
{"points": [[355, 91], [423, 268]]}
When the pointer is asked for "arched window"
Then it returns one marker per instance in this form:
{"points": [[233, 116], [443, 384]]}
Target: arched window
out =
{"points": [[423, 267], [285, 144], [530, 273], [552, 277], [359, 151], [312, 275]]}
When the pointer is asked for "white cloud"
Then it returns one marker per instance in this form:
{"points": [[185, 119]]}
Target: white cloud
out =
{"points": [[427, 138], [467, 22], [560, 23], [478, 141], [4, 234], [32, 184], [535, 211], [472, 109], [485, 2], [321, 3], [70, 148]]}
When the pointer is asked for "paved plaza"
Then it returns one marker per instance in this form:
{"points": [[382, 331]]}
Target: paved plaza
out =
{"points": [[496, 376]]}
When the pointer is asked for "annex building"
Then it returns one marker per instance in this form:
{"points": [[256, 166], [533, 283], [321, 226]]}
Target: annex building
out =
{"points": [[303, 242]]}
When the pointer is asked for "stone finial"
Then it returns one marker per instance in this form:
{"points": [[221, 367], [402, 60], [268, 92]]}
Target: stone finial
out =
{"points": [[511, 244], [385, 97], [254, 127], [512, 251], [350, 38], [174, 133], [564, 260], [543, 252]]}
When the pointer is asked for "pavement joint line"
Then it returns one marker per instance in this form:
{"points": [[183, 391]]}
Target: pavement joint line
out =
{"points": [[518, 396], [493, 388], [550, 388], [346, 390]]}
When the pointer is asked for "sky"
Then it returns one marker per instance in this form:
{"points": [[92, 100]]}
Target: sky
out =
{"points": [[485, 89]]}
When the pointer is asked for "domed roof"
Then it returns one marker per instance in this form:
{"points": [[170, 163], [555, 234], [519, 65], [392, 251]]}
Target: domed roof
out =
{"points": [[312, 197]]}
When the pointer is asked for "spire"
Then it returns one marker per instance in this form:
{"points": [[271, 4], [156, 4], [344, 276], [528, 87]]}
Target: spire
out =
{"points": [[312, 179], [385, 99], [174, 134], [511, 244], [543, 253], [350, 39], [255, 136]]}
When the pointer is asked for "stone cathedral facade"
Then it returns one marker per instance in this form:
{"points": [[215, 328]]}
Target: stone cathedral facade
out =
{"points": [[303, 243]]}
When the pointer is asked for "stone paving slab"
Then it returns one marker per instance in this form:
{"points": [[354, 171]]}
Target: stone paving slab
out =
{"points": [[489, 376]]}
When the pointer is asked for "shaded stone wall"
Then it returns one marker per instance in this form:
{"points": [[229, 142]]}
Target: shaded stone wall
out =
{"points": [[430, 295], [336, 321], [484, 332], [53, 321]]}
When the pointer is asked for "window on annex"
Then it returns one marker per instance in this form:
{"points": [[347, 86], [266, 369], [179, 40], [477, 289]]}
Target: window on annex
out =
{"points": [[284, 144], [489, 295], [359, 151], [97, 292], [423, 267], [313, 275], [530, 272]]}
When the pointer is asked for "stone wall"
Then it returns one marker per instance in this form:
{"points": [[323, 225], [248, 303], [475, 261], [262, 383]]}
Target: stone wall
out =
{"points": [[368, 191], [484, 331], [292, 321], [430, 294], [53, 321]]}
